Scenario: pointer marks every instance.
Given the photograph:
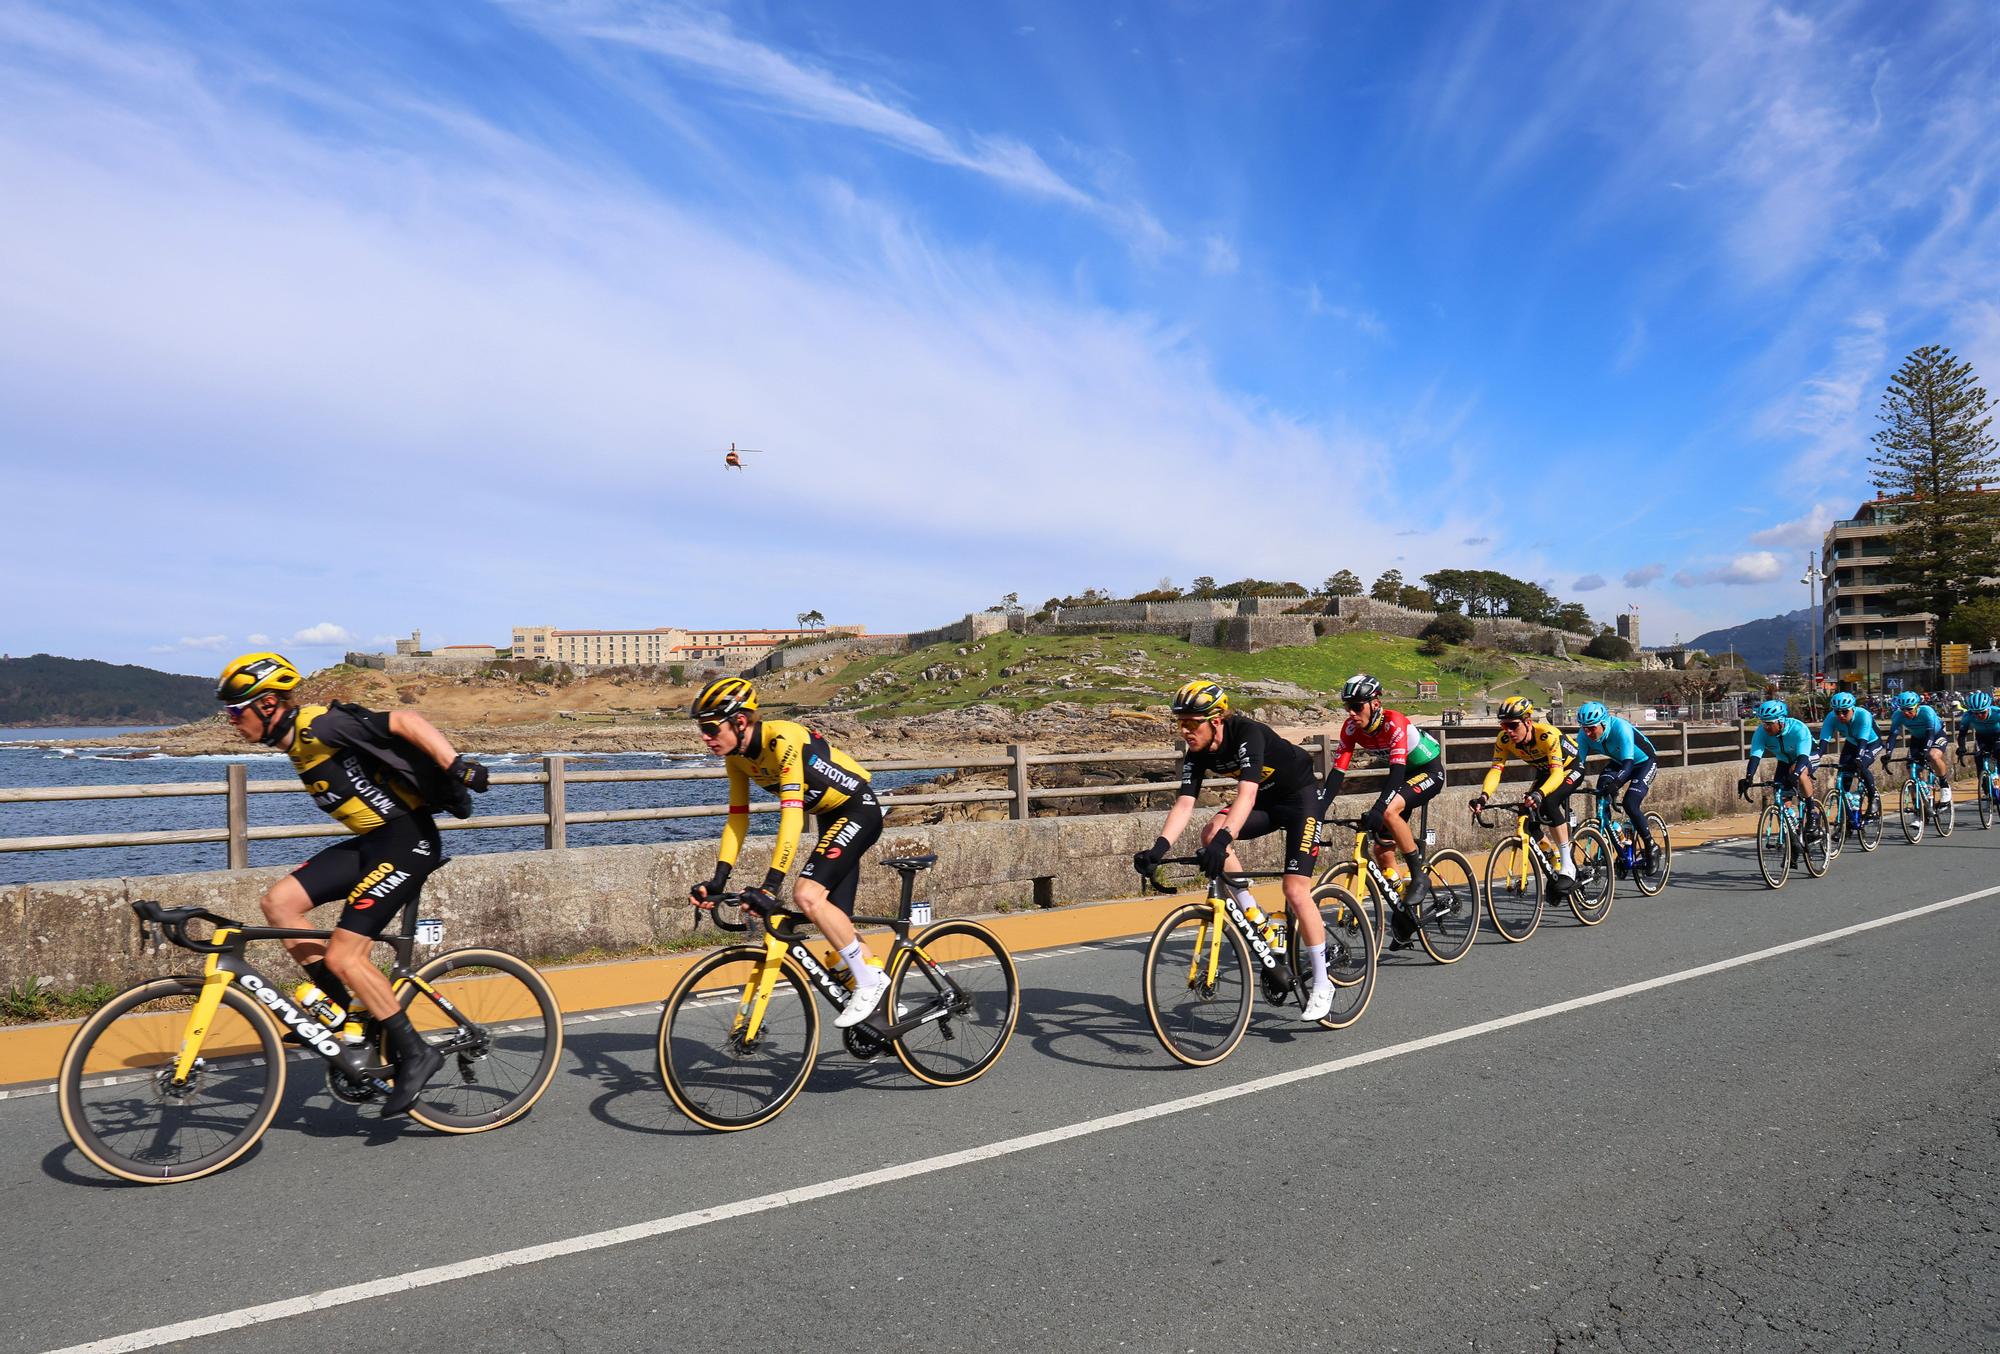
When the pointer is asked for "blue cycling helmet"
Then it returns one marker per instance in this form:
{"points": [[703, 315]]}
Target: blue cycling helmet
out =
{"points": [[1770, 710], [1591, 712], [1979, 702], [1908, 700], [1843, 700]]}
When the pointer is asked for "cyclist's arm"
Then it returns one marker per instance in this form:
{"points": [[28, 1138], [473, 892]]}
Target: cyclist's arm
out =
{"points": [[737, 826], [1336, 775], [791, 811], [414, 728], [1177, 818], [1492, 781]]}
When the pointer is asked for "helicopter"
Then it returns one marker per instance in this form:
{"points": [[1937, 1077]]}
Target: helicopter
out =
{"points": [[734, 457]]}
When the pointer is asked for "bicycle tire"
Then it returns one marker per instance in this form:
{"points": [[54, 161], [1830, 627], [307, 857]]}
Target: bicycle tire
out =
{"points": [[1910, 810], [1651, 883], [1869, 834], [1817, 854], [1199, 1022], [1515, 890], [984, 1008], [1985, 804], [130, 1125], [1944, 814], [1451, 912], [1836, 824], [1596, 875], [1347, 875], [711, 1077], [1351, 954], [1774, 847], [496, 1078]]}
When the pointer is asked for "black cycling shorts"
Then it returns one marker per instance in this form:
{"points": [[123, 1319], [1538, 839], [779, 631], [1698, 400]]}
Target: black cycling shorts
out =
{"points": [[1634, 785], [1420, 789], [835, 860], [1856, 757], [376, 875], [1299, 818], [1555, 804], [1923, 743]]}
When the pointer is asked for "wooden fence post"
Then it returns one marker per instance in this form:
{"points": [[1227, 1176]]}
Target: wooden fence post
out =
{"points": [[555, 803], [1682, 725], [238, 815], [1017, 778]]}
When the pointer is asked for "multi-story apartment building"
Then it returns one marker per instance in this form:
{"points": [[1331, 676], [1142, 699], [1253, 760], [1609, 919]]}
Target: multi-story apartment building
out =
{"points": [[1863, 637], [666, 645]]}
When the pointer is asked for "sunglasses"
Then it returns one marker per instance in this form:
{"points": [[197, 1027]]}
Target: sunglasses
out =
{"points": [[1594, 729], [1190, 725], [1357, 707], [234, 713], [710, 729]]}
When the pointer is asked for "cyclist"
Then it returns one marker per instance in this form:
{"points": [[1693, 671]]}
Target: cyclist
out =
{"points": [[1982, 720], [1927, 738], [1633, 765], [1414, 780], [1551, 752], [382, 777], [1791, 742], [1276, 790], [809, 775], [1845, 719]]}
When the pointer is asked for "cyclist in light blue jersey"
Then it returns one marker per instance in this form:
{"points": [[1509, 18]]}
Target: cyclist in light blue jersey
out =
{"points": [[1927, 738], [1982, 720], [1791, 742], [1861, 741], [1633, 766]]}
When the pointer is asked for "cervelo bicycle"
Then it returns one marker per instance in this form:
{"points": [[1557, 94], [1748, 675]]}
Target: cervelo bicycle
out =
{"points": [[1852, 818], [1449, 922], [1782, 840], [1918, 802], [1628, 855], [175, 1078], [1522, 865], [739, 1034], [1198, 964]]}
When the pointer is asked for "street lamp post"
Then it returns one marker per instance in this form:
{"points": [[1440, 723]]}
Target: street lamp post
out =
{"points": [[1812, 577]]}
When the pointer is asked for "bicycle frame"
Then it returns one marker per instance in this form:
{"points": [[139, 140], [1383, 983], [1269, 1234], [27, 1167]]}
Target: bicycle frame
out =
{"points": [[1225, 910]]}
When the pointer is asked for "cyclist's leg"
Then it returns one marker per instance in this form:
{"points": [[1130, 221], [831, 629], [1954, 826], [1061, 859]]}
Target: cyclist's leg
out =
{"points": [[1941, 767], [1554, 816], [1398, 816], [828, 879], [325, 878], [1634, 802]]}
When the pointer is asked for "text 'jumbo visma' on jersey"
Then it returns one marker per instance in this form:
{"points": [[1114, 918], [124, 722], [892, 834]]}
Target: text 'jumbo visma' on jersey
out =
{"points": [[807, 773], [1546, 748], [333, 750], [1250, 751]]}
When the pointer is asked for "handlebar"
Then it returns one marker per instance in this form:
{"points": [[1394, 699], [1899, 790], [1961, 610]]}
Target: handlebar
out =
{"points": [[173, 923], [1517, 807], [1150, 881]]}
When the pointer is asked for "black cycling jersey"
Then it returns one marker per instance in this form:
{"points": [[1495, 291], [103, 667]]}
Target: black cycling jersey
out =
{"points": [[364, 775], [1250, 751]]}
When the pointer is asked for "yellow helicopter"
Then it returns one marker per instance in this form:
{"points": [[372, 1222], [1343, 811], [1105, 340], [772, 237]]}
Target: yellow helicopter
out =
{"points": [[734, 457]]}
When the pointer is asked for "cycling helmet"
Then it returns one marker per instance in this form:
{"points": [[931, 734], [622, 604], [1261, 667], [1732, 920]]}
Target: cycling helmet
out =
{"points": [[1359, 687], [723, 697], [1978, 702], [1770, 710], [1843, 700], [1517, 707], [1908, 700], [252, 675], [1591, 712], [1200, 700]]}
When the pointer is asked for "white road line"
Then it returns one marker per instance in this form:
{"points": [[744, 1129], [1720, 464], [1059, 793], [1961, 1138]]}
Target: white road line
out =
{"points": [[763, 1203]]}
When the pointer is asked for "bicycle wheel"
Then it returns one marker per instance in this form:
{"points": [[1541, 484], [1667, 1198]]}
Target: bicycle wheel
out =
{"points": [[1818, 852], [1651, 881], [1774, 847], [1910, 809], [720, 1079], [1836, 825], [1351, 954], [1514, 890], [1346, 875], [500, 1029], [1944, 812], [1198, 990], [117, 1096], [1985, 804], [1451, 914], [1596, 876], [1869, 833], [961, 969]]}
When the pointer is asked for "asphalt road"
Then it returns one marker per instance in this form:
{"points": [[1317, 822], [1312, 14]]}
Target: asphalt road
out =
{"points": [[1801, 1152]]}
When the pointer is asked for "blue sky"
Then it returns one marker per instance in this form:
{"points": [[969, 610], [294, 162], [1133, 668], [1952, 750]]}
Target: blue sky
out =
{"points": [[322, 322]]}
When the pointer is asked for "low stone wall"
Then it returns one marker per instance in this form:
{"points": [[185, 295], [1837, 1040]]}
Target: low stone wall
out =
{"points": [[978, 625], [1250, 634], [844, 647], [551, 903]]}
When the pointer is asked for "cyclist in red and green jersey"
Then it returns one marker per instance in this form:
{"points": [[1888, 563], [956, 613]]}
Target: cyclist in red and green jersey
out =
{"points": [[1415, 777]]}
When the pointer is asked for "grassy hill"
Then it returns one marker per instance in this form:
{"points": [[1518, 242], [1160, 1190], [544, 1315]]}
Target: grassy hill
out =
{"points": [[1019, 672], [47, 691]]}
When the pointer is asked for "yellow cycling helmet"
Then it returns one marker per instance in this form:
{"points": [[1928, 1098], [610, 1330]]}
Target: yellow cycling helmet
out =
{"points": [[1200, 700], [1517, 707], [252, 675], [723, 697]]}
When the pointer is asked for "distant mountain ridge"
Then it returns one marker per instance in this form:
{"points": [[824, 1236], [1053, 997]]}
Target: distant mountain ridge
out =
{"points": [[47, 691], [1761, 644]]}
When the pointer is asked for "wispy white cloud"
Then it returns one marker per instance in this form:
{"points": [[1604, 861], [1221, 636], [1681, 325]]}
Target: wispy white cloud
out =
{"points": [[1588, 583], [193, 643], [1759, 566], [1805, 532], [257, 641], [325, 633], [1364, 321], [1826, 409], [1218, 257], [1644, 575]]}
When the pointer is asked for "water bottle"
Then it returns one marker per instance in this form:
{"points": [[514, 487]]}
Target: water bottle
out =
{"points": [[317, 1004], [1253, 913]]}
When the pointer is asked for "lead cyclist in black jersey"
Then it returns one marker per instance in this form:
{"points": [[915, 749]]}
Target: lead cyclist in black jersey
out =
{"points": [[1276, 790], [380, 776]]}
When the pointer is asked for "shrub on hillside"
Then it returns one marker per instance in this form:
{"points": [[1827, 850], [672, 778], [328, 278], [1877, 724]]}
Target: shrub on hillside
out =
{"points": [[1609, 646], [1431, 646], [1448, 628]]}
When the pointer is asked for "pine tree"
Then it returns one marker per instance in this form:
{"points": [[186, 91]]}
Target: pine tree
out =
{"points": [[1342, 584], [1933, 453], [1389, 587]]}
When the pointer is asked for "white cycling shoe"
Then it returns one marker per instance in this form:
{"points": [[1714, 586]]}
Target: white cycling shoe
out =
{"points": [[1318, 1003], [862, 1004]]}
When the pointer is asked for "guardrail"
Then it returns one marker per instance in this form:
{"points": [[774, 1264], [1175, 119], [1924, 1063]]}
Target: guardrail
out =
{"points": [[1465, 747]]}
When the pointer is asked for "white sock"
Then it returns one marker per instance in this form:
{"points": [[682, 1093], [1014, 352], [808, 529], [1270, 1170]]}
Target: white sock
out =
{"points": [[1243, 899], [855, 952], [1568, 864], [1317, 954]]}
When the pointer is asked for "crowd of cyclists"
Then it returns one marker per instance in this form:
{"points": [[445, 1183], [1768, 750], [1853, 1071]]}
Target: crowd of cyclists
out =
{"points": [[383, 776]]}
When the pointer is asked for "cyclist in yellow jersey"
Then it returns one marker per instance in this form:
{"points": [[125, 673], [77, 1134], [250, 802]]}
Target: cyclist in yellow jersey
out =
{"points": [[809, 775], [1549, 751], [380, 776]]}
